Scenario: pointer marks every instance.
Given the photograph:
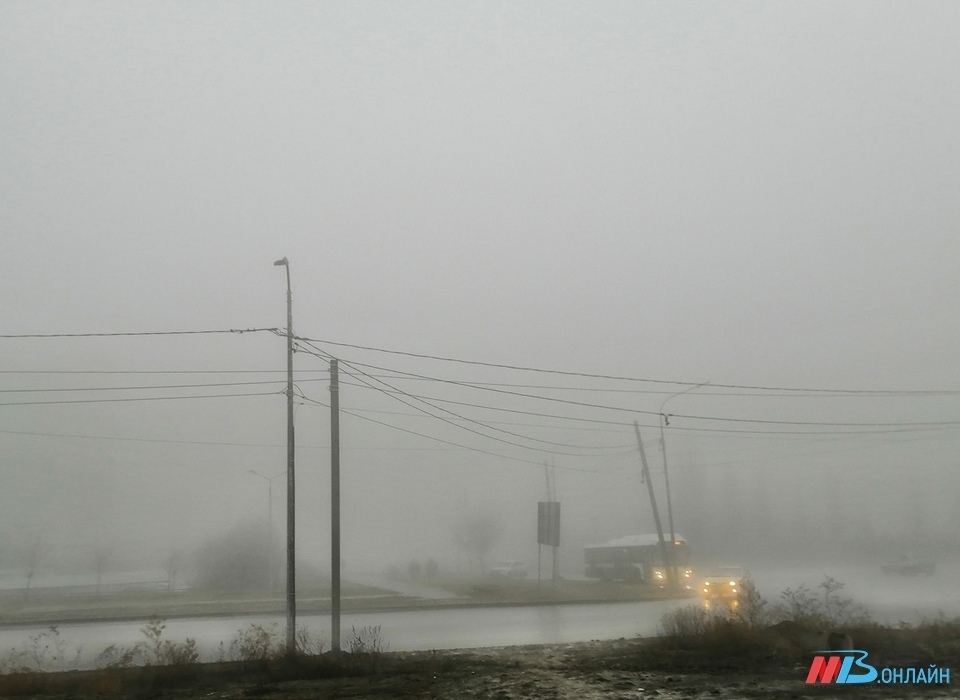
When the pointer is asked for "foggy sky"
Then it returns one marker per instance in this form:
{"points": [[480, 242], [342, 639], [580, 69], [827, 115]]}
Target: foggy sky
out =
{"points": [[751, 194]]}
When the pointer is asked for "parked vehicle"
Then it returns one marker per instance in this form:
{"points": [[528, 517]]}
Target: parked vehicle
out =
{"points": [[509, 569], [909, 565]]}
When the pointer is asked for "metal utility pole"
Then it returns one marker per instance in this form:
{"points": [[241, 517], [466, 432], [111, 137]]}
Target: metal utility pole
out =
{"points": [[664, 552], [291, 482], [665, 420], [334, 505]]}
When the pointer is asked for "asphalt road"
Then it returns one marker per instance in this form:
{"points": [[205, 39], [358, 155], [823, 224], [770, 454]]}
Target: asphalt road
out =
{"points": [[888, 598]]}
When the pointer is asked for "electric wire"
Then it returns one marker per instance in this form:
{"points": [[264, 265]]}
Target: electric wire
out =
{"points": [[633, 411], [464, 418], [590, 375], [148, 386], [237, 331], [139, 398], [446, 442]]}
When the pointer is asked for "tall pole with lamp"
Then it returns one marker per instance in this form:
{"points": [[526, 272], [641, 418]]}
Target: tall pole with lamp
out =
{"points": [[665, 420]]}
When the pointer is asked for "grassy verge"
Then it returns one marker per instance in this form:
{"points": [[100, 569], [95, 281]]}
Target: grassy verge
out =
{"points": [[193, 603]]}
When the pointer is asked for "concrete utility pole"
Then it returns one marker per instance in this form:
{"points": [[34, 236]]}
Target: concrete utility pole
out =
{"points": [[667, 554], [334, 505], [291, 482]]}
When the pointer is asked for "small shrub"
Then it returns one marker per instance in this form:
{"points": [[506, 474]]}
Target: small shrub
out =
{"points": [[153, 631], [309, 643], [804, 607], [45, 651], [753, 607], [688, 622], [121, 657], [366, 640], [177, 653], [154, 651], [257, 643]]}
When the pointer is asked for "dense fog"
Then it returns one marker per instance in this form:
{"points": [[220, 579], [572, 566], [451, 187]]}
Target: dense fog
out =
{"points": [[520, 228]]}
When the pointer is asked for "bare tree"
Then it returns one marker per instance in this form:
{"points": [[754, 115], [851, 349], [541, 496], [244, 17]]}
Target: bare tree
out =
{"points": [[172, 564], [31, 556], [102, 554]]}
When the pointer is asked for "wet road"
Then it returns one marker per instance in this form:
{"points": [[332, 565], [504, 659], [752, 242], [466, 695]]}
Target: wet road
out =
{"points": [[888, 598]]}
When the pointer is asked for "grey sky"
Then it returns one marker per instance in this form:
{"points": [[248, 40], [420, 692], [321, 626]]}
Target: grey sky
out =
{"points": [[740, 193]]}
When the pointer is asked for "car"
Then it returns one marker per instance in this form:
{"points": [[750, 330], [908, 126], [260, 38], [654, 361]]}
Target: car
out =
{"points": [[509, 569], [909, 565], [723, 582]]}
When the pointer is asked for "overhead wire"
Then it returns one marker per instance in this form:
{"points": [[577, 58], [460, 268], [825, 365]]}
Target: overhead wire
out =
{"points": [[138, 333], [633, 411], [144, 387], [446, 442], [139, 398], [624, 378], [395, 396]]}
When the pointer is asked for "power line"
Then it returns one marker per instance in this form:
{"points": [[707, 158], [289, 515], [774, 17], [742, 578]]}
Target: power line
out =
{"points": [[448, 442], [138, 398], [204, 443], [669, 392], [155, 371], [591, 375], [470, 420], [518, 411], [634, 411], [140, 333], [143, 387]]}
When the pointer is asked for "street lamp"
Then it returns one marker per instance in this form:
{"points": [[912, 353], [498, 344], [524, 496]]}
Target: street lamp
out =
{"points": [[269, 480], [663, 443], [291, 515]]}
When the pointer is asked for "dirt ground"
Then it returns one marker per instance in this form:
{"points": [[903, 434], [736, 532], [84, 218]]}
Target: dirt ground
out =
{"points": [[627, 668], [589, 671]]}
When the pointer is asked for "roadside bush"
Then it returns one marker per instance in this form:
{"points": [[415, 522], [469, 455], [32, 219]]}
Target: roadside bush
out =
{"points": [[712, 633], [154, 651], [256, 643], [366, 640], [308, 643], [804, 621], [803, 606], [45, 651]]}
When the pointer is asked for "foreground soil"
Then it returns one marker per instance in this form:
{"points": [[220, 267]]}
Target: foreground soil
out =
{"points": [[618, 669]]}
